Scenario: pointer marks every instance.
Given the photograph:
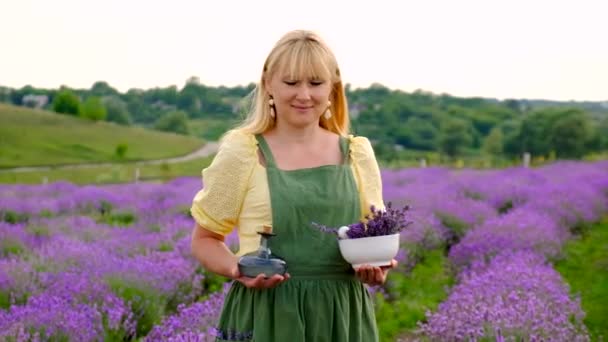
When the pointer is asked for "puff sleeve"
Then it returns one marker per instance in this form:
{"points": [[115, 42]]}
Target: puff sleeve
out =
{"points": [[217, 205], [367, 174]]}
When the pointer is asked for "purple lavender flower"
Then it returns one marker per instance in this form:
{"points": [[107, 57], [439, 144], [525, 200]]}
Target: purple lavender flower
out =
{"points": [[197, 320], [516, 294], [520, 229], [377, 223], [356, 230], [63, 267]]}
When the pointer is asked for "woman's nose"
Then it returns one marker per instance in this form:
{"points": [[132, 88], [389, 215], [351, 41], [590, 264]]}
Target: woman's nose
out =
{"points": [[303, 92]]}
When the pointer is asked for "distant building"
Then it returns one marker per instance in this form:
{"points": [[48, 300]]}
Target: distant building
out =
{"points": [[35, 101], [163, 106], [355, 110]]}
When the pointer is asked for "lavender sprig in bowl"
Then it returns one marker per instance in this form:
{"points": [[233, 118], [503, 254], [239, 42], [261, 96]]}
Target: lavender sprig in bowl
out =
{"points": [[374, 241], [377, 223]]}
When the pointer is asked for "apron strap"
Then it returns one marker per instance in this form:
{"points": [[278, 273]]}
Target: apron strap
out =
{"points": [[345, 149], [265, 149]]}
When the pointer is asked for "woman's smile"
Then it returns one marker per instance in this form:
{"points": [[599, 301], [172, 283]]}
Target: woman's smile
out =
{"points": [[301, 108]]}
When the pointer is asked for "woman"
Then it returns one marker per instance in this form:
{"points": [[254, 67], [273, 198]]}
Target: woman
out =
{"points": [[289, 164]]}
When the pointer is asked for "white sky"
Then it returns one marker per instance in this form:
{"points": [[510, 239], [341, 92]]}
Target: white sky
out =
{"points": [[504, 49]]}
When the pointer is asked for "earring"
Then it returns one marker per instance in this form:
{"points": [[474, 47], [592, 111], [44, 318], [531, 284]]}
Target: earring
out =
{"points": [[327, 114], [271, 104]]}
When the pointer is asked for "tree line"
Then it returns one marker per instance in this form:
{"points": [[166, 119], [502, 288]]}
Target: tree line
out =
{"points": [[394, 120]]}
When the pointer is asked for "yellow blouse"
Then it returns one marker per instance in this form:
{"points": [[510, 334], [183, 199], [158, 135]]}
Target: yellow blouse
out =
{"points": [[235, 190]]}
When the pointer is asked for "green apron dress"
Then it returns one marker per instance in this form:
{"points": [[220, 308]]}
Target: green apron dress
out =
{"points": [[323, 300]]}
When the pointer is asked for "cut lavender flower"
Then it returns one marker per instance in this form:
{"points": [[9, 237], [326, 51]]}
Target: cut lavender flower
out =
{"points": [[373, 241], [378, 223]]}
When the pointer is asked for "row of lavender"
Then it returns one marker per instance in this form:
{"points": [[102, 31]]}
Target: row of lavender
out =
{"points": [[508, 227], [97, 263], [108, 263]]}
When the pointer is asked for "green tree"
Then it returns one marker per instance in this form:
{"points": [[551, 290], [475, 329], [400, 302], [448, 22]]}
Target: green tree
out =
{"points": [[176, 122], [513, 104], [570, 134], [66, 102], [493, 142], [93, 109], [102, 88], [117, 110], [167, 96], [417, 133], [534, 132], [384, 151], [121, 150], [454, 137], [139, 110], [5, 94], [567, 132], [17, 95], [602, 134], [189, 99]]}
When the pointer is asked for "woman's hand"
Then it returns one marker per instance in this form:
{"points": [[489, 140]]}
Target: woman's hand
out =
{"points": [[374, 275], [260, 282]]}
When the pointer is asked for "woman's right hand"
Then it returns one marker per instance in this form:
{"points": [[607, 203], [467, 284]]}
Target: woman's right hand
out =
{"points": [[260, 282]]}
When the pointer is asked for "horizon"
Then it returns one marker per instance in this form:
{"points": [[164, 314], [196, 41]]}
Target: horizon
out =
{"points": [[543, 50], [351, 89]]}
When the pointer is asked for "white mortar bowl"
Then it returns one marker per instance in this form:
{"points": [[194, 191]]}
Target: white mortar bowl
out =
{"points": [[373, 251]]}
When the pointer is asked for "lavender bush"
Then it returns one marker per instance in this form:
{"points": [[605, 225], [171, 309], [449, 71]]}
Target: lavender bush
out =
{"points": [[71, 269], [535, 211], [95, 263], [516, 296], [195, 322], [520, 229]]}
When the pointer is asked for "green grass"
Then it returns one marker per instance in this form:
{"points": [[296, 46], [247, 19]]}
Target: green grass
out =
{"points": [[118, 173], [34, 137], [585, 268], [410, 295], [148, 304], [475, 159]]}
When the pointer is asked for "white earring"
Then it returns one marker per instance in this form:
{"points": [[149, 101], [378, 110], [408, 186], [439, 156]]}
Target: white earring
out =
{"points": [[271, 104], [327, 114]]}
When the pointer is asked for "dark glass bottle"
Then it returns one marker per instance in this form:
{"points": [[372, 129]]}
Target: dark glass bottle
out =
{"points": [[262, 260]]}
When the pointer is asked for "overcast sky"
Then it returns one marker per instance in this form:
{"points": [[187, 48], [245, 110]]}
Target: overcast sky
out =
{"points": [[504, 49]]}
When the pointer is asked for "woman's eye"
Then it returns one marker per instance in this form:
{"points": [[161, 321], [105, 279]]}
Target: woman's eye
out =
{"points": [[316, 83], [291, 83]]}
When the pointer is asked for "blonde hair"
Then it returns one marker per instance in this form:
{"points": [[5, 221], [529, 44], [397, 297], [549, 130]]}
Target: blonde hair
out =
{"points": [[299, 54]]}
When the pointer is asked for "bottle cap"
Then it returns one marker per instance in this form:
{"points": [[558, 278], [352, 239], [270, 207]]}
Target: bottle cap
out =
{"points": [[266, 230]]}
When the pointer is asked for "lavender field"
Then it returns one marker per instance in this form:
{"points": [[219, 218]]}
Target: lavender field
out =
{"points": [[113, 263]]}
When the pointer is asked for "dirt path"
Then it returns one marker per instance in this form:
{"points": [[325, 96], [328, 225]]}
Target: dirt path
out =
{"points": [[208, 149]]}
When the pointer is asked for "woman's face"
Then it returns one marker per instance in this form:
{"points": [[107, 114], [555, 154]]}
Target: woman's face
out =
{"points": [[299, 101]]}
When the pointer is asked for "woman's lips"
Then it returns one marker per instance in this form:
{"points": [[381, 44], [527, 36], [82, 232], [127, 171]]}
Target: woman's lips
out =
{"points": [[302, 108]]}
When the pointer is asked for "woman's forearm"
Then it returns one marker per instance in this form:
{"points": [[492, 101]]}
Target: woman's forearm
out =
{"points": [[215, 256]]}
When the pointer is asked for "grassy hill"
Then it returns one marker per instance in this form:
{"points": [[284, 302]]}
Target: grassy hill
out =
{"points": [[34, 137], [210, 129]]}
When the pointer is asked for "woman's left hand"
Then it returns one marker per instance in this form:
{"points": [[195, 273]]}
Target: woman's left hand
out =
{"points": [[373, 275]]}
